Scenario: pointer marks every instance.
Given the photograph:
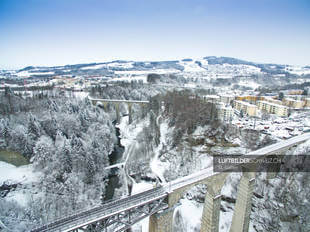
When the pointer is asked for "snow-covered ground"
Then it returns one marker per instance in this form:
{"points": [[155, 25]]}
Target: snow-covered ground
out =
{"points": [[277, 127], [128, 133], [130, 77], [143, 225], [125, 65], [80, 95], [23, 175], [190, 213], [183, 214], [191, 66], [98, 66], [250, 84], [145, 72], [156, 165], [299, 70], [28, 74]]}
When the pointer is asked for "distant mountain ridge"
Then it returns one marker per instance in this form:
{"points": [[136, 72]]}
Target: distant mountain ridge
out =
{"points": [[149, 64], [184, 65]]}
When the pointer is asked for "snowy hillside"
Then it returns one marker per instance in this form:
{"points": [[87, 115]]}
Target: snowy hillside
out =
{"points": [[210, 66]]}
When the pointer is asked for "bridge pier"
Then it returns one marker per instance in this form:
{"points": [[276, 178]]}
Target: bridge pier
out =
{"points": [[94, 103], [105, 105], [117, 102], [143, 110], [129, 113], [242, 211], [161, 222], [211, 210], [117, 112]]}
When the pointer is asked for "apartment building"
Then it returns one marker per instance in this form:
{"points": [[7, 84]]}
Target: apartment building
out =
{"points": [[273, 108], [272, 100], [250, 98], [246, 107], [226, 99], [307, 102], [295, 91], [225, 113], [290, 102], [211, 98]]}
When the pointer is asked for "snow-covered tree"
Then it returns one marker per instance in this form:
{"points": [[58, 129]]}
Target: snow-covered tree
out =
{"points": [[43, 152]]}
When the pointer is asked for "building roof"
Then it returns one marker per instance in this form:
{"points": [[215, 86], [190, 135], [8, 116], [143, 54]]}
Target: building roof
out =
{"points": [[245, 103], [273, 104], [211, 96], [293, 100]]}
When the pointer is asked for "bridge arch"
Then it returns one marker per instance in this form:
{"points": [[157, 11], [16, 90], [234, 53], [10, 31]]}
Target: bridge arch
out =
{"points": [[211, 211], [116, 103]]}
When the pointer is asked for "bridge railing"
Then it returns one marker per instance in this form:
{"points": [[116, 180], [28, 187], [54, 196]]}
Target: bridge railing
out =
{"points": [[111, 207]]}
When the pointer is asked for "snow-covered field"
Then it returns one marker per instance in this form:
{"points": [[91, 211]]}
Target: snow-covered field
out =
{"points": [[27, 73], [250, 84], [22, 174], [98, 66], [145, 72], [299, 70], [130, 77], [191, 66]]}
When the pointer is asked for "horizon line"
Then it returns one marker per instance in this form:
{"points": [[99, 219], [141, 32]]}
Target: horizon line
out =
{"points": [[19, 67]]}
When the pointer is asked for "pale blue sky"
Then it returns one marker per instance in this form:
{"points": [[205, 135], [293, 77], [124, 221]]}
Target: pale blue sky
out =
{"points": [[56, 32]]}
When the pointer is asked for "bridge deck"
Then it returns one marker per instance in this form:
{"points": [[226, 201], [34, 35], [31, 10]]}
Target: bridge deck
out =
{"points": [[103, 211], [115, 166], [277, 147], [117, 100], [205, 173]]}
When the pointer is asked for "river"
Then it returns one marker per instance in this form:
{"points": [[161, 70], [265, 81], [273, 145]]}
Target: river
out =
{"points": [[114, 158], [12, 157]]}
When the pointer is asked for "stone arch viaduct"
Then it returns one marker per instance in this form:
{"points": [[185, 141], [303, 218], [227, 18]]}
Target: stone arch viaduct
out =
{"points": [[116, 103]]}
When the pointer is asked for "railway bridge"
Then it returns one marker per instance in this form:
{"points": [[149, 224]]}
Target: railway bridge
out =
{"points": [[159, 203], [116, 103]]}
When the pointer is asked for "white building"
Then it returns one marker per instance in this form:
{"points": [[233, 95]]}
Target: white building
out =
{"points": [[245, 107], [225, 113], [227, 99], [273, 108], [211, 98]]}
